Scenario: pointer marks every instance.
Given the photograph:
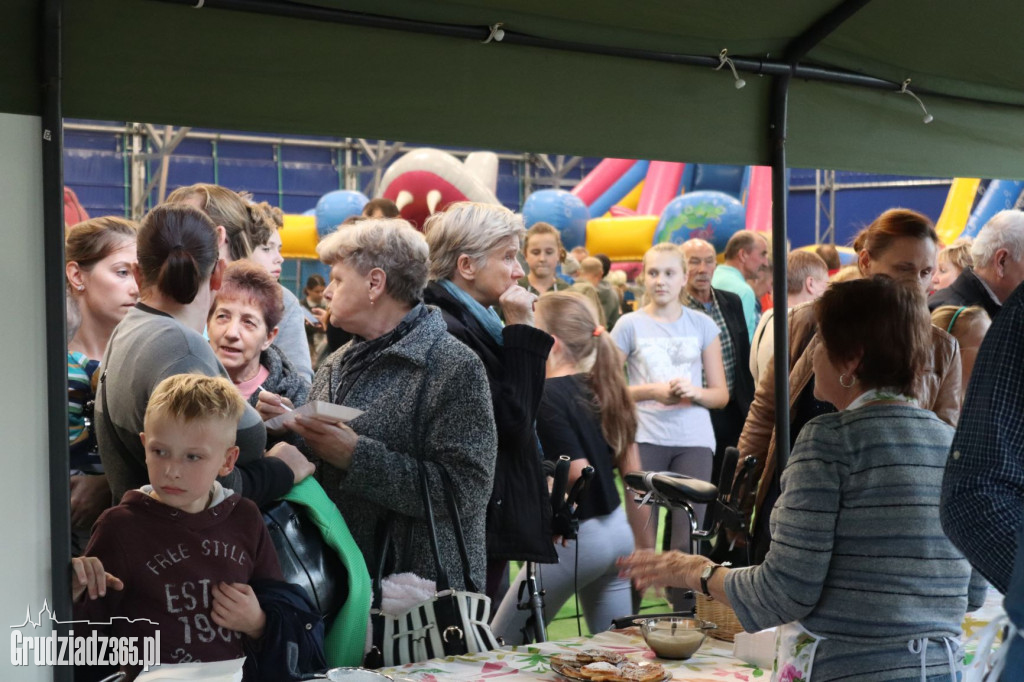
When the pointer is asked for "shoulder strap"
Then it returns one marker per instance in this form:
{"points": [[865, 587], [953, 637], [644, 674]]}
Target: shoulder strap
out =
{"points": [[443, 583], [453, 513], [764, 329], [385, 532]]}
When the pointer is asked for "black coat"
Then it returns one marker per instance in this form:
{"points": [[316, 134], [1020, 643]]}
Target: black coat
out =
{"points": [[728, 421], [967, 290], [519, 511], [736, 326]]}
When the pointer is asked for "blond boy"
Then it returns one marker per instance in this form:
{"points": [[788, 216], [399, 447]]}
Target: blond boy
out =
{"points": [[183, 548]]}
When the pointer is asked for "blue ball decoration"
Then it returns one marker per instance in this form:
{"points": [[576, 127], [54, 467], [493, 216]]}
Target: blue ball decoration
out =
{"points": [[563, 210], [711, 216], [336, 207]]}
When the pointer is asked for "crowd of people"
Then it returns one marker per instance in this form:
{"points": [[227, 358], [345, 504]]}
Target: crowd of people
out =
{"points": [[469, 370]]}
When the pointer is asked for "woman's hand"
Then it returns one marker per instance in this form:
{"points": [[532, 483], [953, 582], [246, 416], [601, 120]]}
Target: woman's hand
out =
{"points": [[668, 569], [87, 575], [235, 607], [685, 391], [333, 442], [517, 304], [90, 495], [665, 393], [270, 405], [322, 314], [296, 461]]}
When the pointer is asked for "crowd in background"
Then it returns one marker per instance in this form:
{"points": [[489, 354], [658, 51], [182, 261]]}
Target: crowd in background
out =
{"points": [[470, 370]]}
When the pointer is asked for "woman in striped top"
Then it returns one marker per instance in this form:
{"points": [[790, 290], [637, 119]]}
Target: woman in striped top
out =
{"points": [[859, 573], [99, 257]]}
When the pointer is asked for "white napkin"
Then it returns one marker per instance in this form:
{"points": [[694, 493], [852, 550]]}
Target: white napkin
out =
{"points": [[757, 648], [216, 671]]}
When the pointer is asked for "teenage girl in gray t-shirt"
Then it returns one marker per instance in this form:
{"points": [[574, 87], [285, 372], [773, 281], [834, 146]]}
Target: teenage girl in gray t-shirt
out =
{"points": [[668, 347]]}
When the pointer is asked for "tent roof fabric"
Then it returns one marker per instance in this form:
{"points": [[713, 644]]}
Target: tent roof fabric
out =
{"points": [[161, 62]]}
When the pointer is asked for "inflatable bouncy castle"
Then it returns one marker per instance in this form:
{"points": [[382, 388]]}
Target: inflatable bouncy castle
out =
{"points": [[620, 208], [624, 206]]}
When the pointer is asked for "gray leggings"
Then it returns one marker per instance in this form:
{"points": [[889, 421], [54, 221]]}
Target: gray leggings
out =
{"points": [[692, 461], [603, 594]]}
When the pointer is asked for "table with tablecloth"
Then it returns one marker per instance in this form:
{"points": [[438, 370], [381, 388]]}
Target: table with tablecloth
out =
{"points": [[714, 662]]}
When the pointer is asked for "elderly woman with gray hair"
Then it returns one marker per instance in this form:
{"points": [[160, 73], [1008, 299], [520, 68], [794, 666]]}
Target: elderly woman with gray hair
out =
{"points": [[473, 268], [424, 399]]}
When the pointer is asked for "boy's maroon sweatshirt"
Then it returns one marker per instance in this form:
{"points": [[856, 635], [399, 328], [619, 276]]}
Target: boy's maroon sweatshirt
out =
{"points": [[169, 561]]}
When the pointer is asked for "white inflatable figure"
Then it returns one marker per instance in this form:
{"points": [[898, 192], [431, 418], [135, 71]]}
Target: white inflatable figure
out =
{"points": [[425, 181]]}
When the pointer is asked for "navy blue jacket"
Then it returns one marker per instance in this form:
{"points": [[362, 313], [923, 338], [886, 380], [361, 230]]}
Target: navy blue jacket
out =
{"points": [[292, 645]]}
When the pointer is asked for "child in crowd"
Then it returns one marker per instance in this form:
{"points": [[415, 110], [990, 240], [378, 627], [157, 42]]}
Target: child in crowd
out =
{"points": [[183, 548], [587, 414], [669, 349], [313, 301]]}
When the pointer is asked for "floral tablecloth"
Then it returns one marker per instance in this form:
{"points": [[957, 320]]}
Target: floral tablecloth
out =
{"points": [[714, 661]]}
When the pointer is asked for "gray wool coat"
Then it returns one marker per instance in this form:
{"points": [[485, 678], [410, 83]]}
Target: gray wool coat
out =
{"points": [[426, 397]]}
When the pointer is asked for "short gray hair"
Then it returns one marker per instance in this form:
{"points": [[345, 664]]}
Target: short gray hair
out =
{"points": [[1005, 230], [468, 228], [390, 244]]}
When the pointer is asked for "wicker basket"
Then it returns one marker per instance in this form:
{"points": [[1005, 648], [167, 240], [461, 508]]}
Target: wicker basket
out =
{"points": [[721, 615]]}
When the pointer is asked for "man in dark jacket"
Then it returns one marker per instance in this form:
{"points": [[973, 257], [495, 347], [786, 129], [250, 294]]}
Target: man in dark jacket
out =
{"points": [[998, 254], [726, 309]]}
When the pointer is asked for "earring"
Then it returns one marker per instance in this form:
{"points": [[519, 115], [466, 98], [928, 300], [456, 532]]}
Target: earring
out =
{"points": [[372, 301], [81, 287], [842, 382]]}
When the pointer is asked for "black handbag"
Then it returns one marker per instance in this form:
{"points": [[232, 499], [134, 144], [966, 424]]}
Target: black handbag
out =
{"points": [[306, 560], [452, 623]]}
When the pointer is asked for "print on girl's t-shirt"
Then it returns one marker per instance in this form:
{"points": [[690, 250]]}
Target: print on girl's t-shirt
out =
{"points": [[664, 359], [656, 352]]}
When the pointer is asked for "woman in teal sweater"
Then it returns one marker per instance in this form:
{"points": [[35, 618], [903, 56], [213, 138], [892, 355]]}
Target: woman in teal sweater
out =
{"points": [[859, 574]]}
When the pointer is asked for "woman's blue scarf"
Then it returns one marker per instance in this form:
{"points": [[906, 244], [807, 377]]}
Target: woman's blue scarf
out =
{"points": [[487, 318]]}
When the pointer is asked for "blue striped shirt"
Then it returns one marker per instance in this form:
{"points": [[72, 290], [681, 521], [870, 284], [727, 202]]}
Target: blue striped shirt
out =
{"points": [[858, 555]]}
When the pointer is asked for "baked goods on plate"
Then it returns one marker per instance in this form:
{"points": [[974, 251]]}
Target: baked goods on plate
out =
{"points": [[602, 665]]}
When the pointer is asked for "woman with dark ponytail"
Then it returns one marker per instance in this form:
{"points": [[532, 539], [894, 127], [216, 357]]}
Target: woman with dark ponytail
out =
{"points": [[251, 233], [179, 269], [587, 414]]}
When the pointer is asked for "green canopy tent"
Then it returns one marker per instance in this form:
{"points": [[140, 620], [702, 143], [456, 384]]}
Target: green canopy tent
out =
{"points": [[153, 60], [588, 77]]}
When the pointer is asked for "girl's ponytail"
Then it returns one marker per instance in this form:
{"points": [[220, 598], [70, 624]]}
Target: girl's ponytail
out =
{"points": [[574, 320]]}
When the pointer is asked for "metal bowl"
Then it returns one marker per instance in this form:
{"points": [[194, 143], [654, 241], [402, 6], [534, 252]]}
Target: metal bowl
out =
{"points": [[675, 638]]}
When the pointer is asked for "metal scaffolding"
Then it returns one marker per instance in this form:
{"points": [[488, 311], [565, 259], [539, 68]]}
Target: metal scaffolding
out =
{"points": [[149, 148]]}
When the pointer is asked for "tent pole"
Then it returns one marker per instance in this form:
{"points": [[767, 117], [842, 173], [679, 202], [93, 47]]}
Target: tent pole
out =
{"points": [[56, 321], [780, 197], [778, 116]]}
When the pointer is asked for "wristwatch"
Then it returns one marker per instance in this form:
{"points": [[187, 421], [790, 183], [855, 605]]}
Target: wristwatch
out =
{"points": [[705, 576]]}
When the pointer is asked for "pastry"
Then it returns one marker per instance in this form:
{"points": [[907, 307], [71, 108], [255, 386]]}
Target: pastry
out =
{"points": [[601, 665]]}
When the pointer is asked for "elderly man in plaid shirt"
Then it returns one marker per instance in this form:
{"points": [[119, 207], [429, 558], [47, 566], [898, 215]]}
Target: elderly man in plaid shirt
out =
{"points": [[726, 309]]}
